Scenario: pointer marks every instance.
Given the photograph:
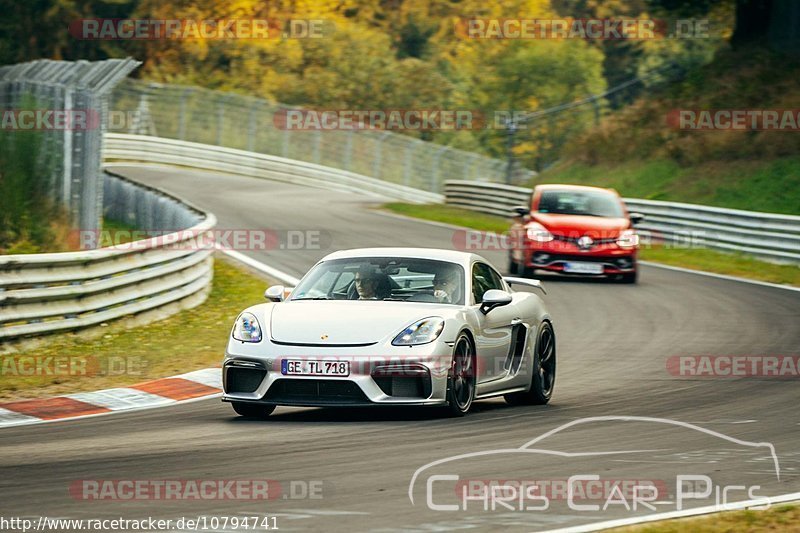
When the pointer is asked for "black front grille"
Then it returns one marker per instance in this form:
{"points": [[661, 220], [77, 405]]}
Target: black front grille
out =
{"points": [[542, 259], [243, 379], [574, 240], [404, 386], [551, 257], [315, 392]]}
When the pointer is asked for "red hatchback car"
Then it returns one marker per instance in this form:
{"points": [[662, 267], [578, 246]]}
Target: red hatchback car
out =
{"points": [[577, 230]]}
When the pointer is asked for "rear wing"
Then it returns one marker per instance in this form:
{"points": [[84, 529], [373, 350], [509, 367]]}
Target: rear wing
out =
{"points": [[525, 281]]}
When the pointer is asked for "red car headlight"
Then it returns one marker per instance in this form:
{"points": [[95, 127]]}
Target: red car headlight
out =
{"points": [[538, 233]]}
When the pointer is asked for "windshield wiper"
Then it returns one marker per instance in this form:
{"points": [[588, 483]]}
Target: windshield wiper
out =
{"points": [[314, 298]]}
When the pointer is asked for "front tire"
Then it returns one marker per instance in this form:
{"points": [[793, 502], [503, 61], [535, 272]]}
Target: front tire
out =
{"points": [[461, 378], [630, 277], [543, 378], [252, 410]]}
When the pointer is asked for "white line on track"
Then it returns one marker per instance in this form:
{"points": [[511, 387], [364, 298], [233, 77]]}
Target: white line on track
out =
{"points": [[261, 267], [699, 511]]}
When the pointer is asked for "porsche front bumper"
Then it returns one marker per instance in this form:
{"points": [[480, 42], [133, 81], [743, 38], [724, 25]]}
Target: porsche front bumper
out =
{"points": [[378, 375]]}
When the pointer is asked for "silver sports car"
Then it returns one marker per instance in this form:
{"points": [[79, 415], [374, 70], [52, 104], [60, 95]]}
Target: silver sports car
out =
{"points": [[392, 326]]}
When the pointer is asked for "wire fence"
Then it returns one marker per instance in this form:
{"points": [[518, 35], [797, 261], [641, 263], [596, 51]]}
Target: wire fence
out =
{"points": [[237, 121], [55, 94]]}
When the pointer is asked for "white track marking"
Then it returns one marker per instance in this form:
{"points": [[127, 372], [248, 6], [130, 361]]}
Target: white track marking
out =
{"points": [[261, 267], [11, 418], [210, 377], [699, 511], [121, 399]]}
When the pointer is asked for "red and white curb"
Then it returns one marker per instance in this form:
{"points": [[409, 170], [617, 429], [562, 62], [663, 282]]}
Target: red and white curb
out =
{"points": [[197, 385]]}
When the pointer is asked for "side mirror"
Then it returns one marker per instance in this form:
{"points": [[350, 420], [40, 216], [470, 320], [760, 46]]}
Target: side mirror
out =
{"points": [[635, 218], [274, 293], [494, 298], [520, 211]]}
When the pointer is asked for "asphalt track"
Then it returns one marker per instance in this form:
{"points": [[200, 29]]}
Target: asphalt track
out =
{"points": [[613, 344]]}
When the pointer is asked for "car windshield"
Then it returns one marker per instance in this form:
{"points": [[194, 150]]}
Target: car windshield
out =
{"points": [[589, 203], [381, 278]]}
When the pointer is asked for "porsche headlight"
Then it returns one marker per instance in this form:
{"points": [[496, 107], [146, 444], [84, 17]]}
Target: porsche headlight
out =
{"points": [[247, 328], [538, 233], [628, 239], [421, 332]]}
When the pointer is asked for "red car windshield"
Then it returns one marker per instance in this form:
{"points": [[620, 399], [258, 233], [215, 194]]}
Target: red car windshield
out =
{"points": [[588, 203]]}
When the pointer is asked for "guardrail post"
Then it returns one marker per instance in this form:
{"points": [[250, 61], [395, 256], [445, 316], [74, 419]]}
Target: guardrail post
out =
{"points": [[67, 145]]}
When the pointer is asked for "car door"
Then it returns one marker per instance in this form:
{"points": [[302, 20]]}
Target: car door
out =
{"points": [[493, 335]]}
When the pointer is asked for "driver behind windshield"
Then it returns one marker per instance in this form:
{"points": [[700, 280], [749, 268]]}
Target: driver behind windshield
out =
{"points": [[444, 285], [366, 284]]}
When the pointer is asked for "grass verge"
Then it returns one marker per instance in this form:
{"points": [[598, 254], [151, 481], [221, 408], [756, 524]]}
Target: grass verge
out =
{"points": [[190, 340], [450, 215], [779, 518], [723, 263], [694, 258]]}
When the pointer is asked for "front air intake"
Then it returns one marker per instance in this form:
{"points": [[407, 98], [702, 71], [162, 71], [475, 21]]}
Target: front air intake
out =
{"points": [[243, 377]]}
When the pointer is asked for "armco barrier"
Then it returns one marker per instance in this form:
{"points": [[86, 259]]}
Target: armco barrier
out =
{"points": [[53, 292], [768, 236], [122, 147], [489, 198]]}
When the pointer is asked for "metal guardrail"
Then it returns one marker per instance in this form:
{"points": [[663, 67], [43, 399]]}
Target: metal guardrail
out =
{"points": [[54, 292], [765, 235], [121, 147], [489, 198]]}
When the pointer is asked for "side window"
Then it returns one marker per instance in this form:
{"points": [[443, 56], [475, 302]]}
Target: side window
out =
{"points": [[484, 278], [497, 279]]}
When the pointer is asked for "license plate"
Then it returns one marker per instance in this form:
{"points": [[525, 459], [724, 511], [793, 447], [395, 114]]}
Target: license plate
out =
{"points": [[314, 367], [583, 268]]}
